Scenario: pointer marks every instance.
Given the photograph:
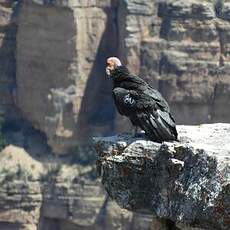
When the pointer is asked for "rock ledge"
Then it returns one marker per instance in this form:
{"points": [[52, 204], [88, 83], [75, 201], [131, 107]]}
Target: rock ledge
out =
{"points": [[186, 182]]}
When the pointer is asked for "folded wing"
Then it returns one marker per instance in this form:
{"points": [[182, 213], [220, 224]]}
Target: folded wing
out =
{"points": [[148, 110]]}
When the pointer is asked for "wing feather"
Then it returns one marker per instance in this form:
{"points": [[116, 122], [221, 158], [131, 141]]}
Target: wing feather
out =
{"points": [[157, 127], [146, 108]]}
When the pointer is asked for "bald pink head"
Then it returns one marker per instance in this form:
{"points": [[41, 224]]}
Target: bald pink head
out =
{"points": [[111, 64]]}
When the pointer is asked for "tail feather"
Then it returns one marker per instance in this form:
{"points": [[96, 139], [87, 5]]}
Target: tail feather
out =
{"points": [[169, 122], [158, 127], [161, 129]]}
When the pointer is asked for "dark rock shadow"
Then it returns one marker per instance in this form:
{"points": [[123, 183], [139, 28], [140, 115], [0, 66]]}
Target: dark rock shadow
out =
{"points": [[8, 58], [101, 218], [20, 133], [16, 130], [97, 114]]}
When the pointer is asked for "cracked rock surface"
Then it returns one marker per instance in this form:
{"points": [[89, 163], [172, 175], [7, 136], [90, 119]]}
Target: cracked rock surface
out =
{"points": [[186, 182]]}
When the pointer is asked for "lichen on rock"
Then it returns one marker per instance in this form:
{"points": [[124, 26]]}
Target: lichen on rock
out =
{"points": [[186, 182]]}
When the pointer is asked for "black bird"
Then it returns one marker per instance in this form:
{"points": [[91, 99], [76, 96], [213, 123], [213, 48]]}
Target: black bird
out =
{"points": [[145, 106]]}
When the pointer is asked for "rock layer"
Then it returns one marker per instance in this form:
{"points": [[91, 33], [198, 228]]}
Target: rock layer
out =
{"points": [[186, 57], [186, 182], [57, 78], [8, 31], [42, 193], [181, 48]]}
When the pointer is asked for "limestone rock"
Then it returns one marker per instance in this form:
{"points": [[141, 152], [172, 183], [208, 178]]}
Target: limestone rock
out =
{"points": [[15, 161], [186, 181], [8, 25], [20, 205], [43, 192], [52, 61], [180, 47], [56, 75], [197, 81], [186, 58]]}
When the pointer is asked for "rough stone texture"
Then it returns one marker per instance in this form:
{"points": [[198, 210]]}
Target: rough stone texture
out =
{"points": [[187, 59], [180, 47], [52, 68], [41, 192], [186, 182], [8, 29], [57, 79], [20, 205]]}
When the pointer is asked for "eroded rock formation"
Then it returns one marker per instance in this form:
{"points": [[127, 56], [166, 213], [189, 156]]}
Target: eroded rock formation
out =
{"points": [[61, 70], [190, 55], [52, 55], [186, 182], [180, 47], [8, 26], [40, 192]]}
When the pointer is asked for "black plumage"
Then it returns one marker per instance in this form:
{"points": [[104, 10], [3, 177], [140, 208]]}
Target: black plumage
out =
{"points": [[144, 105]]}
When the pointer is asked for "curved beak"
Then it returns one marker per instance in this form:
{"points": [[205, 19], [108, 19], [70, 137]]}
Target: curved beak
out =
{"points": [[108, 70]]}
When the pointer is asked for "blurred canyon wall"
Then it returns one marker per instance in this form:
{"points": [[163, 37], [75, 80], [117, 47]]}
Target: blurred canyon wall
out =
{"points": [[53, 56]]}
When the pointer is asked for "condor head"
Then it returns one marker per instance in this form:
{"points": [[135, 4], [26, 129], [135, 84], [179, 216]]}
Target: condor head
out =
{"points": [[111, 64]]}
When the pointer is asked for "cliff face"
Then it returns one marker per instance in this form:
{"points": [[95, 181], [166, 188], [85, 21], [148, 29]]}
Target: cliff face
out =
{"points": [[43, 193], [179, 47], [190, 55], [8, 25], [56, 72], [52, 78], [186, 182]]}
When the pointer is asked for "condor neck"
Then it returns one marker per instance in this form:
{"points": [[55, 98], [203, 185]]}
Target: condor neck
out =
{"points": [[120, 73]]}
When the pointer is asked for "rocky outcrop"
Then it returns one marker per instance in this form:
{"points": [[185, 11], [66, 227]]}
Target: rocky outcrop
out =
{"points": [[61, 69], [8, 30], [191, 58], [181, 50], [52, 59], [180, 47], [186, 182], [39, 191]]}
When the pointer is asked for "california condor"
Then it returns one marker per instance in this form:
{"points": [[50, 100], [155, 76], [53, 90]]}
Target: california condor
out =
{"points": [[145, 106]]}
